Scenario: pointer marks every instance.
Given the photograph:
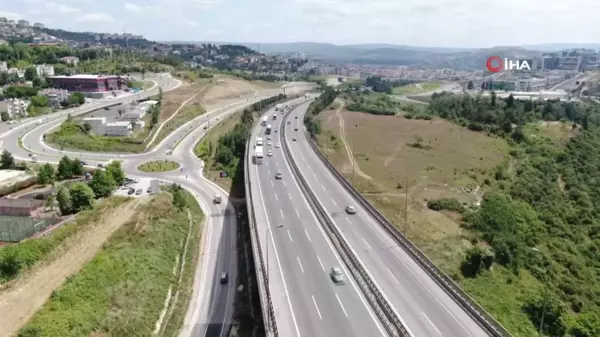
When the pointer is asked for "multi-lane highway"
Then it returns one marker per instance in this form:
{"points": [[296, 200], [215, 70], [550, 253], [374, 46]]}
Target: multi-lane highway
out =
{"points": [[211, 305], [424, 307], [299, 255]]}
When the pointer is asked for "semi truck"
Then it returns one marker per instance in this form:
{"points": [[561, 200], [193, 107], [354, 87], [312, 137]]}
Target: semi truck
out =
{"points": [[258, 155], [263, 122], [268, 131]]}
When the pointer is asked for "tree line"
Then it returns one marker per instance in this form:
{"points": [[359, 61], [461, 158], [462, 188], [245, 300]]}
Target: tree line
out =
{"points": [[326, 98], [379, 84], [542, 213]]}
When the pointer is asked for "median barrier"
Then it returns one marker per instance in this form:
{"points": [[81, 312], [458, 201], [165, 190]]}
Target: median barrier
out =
{"points": [[471, 307]]}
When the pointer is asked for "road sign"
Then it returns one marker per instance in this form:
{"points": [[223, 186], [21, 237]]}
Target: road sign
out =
{"points": [[223, 174]]}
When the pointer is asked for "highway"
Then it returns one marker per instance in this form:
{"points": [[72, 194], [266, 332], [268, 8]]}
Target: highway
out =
{"points": [[299, 256], [425, 308], [211, 305]]}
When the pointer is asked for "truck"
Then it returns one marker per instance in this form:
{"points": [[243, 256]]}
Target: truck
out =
{"points": [[263, 122], [258, 155], [268, 131], [278, 107], [259, 141]]}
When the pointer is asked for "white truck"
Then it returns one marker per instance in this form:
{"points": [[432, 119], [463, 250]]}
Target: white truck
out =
{"points": [[259, 141], [263, 122], [278, 107], [268, 130], [258, 155]]}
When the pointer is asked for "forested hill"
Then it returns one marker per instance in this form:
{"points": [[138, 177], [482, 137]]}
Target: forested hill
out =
{"points": [[541, 211]]}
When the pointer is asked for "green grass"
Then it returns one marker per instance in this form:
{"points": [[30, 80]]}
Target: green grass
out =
{"points": [[140, 84], [412, 89], [159, 166], [122, 291], [30, 251], [185, 115]]}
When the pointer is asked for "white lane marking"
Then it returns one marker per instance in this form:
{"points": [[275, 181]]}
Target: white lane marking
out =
{"points": [[300, 263], [284, 183], [341, 305], [334, 202], [281, 211], [297, 214], [317, 307], [290, 235], [321, 263], [289, 195], [308, 236], [366, 243], [268, 171], [272, 183], [350, 222], [394, 277], [287, 294], [323, 187], [276, 198], [431, 323]]}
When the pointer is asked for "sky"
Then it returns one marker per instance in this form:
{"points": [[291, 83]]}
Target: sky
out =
{"points": [[441, 23]]}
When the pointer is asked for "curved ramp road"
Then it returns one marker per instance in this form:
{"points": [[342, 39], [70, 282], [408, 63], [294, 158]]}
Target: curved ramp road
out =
{"points": [[425, 308], [211, 305], [299, 256]]}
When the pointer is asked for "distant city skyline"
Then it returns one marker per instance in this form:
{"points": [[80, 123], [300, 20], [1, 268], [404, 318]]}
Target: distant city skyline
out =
{"points": [[441, 23]]}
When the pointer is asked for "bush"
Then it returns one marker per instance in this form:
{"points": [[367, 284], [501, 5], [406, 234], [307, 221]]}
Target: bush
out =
{"points": [[450, 204]]}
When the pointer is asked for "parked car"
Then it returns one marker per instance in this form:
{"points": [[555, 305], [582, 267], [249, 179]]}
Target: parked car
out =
{"points": [[131, 191], [138, 192]]}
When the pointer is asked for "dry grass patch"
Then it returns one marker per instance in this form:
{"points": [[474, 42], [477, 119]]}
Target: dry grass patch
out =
{"points": [[226, 90]]}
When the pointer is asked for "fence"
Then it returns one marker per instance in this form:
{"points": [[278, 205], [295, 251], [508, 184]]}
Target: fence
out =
{"points": [[17, 228]]}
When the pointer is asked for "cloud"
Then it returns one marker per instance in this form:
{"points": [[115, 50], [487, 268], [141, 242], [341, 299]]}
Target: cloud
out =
{"points": [[94, 17], [132, 7], [11, 15]]}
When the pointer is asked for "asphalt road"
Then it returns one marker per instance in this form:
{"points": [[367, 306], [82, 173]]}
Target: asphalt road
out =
{"points": [[300, 257], [212, 303], [425, 308]]}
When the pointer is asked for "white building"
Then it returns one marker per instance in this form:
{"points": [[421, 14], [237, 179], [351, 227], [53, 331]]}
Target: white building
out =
{"points": [[44, 70], [55, 96], [123, 129], [23, 23], [16, 107], [3, 66], [98, 124], [38, 25], [15, 71]]}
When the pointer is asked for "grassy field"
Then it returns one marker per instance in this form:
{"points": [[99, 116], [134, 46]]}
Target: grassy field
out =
{"points": [[412, 89], [450, 161], [122, 291], [206, 152], [29, 252], [140, 84], [159, 166]]}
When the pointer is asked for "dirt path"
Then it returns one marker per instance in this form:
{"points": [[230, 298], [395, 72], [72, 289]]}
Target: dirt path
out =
{"points": [[346, 145], [25, 297]]}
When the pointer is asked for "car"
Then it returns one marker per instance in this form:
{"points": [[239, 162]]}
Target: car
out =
{"points": [[270, 153], [217, 199], [106, 108], [294, 139], [149, 190], [139, 191], [125, 187], [278, 176], [337, 275], [296, 117], [268, 137], [131, 191], [295, 129], [277, 145], [224, 277], [289, 122], [100, 166], [83, 163], [269, 143], [350, 210]]}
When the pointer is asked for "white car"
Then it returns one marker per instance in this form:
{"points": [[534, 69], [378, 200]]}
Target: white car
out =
{"points": [[277, 145], [268, 137], [269, 153], [269, 143], [350, 210]]}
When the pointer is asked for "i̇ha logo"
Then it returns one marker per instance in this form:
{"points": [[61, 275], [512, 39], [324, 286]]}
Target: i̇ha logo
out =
{"points": [[496, 64]]}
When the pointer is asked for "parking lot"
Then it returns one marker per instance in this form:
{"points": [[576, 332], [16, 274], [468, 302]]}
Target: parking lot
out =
{"points": [[142, 185]]}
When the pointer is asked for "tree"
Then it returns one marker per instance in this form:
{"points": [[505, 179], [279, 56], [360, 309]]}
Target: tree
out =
{"points": [[46, 174], [5, 116], [178, 200], [82, 197], [49, 202], [39, 101], [30, 74], [7, 160], [87, 128], [116, 172], [65, 168], [77, 167], [64, 201], [102, 184], [76, 98]]}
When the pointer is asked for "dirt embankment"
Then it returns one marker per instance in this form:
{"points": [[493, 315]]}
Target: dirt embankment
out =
{"points": [[23, 298]]}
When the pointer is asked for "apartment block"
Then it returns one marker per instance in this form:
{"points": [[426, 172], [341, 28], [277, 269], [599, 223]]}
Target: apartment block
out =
{"points": [[122, 129], [44, 70], [98, 124], [16, 107]]}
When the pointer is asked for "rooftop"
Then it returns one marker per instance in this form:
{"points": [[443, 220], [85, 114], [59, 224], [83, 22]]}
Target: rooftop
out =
{"points": [[85, 76], [118, 124]]}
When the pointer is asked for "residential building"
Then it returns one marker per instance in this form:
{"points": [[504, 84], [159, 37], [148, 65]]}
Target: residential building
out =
{"points": [[15, 71], [16, 107], [44, 70], [19, 207], [39, 25], [23, 23], [123, 129], [87, 83], [3, 66], [55, 96], [98, 124], [70, 60]]}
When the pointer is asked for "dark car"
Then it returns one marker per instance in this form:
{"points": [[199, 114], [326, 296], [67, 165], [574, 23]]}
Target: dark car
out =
{"points": [[295, 129], [224, 278], [131, 191]]}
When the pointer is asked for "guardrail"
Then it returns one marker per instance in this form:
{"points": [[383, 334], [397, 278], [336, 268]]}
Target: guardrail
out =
{"points": [[392, 323], [471, 307]]}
